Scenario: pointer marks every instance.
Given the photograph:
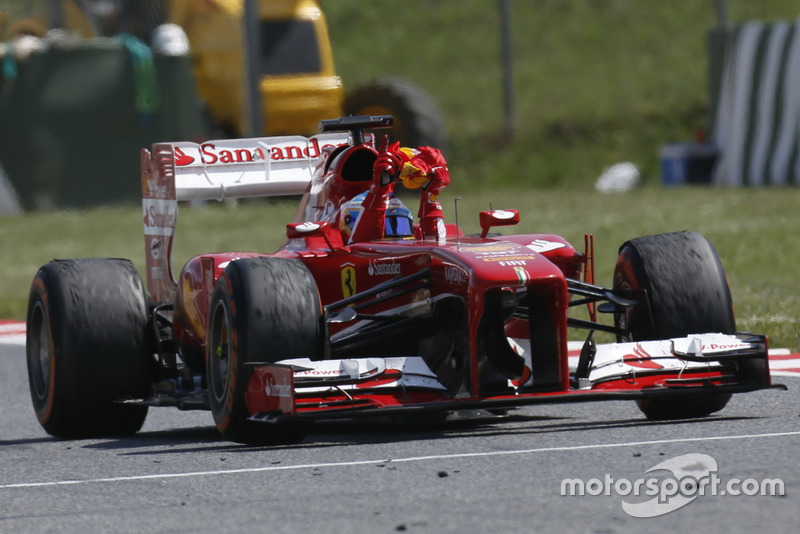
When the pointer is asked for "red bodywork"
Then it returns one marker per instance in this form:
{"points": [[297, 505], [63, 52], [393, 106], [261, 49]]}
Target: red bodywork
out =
{"points": [[465, 268], [490, 279]]}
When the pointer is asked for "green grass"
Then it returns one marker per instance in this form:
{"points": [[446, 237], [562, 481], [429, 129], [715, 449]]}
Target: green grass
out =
{"points": [[595, 81], [755, 233]]}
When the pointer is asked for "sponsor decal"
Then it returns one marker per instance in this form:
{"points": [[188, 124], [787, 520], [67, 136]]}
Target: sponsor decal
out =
{"points": [[502, 252], [522, 275], [159, 216], [383, 267], [508, 257], [270, 389], [182, 159], [715, 347], [156, 248], [320, 372], [273, 388], [455, 274], [513, 263], [212, 154], [496, 247], [348, 277]]}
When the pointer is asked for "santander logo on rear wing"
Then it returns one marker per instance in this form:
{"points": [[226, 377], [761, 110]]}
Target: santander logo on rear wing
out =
{"points": [[216, 170], [235, 168]]}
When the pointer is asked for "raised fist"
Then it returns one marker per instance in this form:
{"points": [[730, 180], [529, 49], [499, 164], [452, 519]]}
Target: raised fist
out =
{"points": [[386, 168]]}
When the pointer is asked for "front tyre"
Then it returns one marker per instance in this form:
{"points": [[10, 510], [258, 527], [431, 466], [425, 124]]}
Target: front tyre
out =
{"points": [[87, 348], [687, 293], [262, 310]]}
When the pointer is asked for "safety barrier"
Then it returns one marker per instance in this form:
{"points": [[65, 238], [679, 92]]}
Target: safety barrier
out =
{"points": [[755, 91]]}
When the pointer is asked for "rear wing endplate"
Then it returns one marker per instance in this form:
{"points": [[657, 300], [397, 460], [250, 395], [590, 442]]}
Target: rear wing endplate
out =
{"points": [[217, 170]]}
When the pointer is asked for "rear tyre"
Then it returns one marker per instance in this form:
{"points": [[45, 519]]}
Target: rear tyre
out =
{"points": [[417, 119], [87, 348], [262, 310], [687, 292]]}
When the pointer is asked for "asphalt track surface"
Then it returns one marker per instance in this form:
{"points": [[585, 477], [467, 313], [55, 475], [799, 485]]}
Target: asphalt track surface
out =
{"points": [[474, 473]]}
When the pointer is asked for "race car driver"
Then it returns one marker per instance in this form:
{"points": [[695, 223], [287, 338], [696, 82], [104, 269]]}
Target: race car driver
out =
{"points": [[421, 168]]}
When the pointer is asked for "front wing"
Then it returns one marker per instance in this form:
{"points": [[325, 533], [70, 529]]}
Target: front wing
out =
{"points": [[301, 389]]}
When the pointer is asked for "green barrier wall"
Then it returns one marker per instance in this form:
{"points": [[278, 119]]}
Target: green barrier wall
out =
{"points": [[73, 118]]}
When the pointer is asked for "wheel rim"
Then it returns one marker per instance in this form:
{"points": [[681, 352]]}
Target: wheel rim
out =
{"points": [[40, 358], [219, 353]]}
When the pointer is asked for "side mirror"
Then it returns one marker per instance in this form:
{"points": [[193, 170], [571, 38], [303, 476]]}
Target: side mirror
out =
{"points": [[307, 229], [493, 218], [316, 234]]}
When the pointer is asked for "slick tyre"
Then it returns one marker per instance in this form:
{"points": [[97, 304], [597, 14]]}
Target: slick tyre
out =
{"points": [[417, 119], [687, 293], [88, 348], [262, 310]]}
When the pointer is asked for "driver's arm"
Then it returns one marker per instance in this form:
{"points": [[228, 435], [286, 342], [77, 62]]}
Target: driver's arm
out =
{"points": [[371, 222], [431, 165]]}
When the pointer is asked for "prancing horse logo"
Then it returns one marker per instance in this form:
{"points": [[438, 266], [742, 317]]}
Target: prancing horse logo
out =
{"points": [[348, 280]]}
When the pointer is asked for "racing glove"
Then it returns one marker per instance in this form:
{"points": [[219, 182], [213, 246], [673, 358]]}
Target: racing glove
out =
{"points": [[386, 166], [438, 177]]}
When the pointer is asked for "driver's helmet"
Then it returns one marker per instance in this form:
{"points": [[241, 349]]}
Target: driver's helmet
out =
{"points": [[398, 219]]}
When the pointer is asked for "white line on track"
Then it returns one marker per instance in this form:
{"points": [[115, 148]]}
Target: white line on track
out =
{"points": [[411, 459]]}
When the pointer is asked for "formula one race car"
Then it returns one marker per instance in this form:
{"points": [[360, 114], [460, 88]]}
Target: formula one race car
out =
{"points": [[406, 321]]}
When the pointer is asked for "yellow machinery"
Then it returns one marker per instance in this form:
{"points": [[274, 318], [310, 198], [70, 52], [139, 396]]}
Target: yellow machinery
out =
{"points": [[298, 85]]}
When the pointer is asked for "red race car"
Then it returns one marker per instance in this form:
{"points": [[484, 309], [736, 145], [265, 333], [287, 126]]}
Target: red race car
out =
{"points": [[366, 311]]}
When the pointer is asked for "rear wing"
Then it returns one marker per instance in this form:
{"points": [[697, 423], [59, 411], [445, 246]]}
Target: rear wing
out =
{"points": [[216, 170]]}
